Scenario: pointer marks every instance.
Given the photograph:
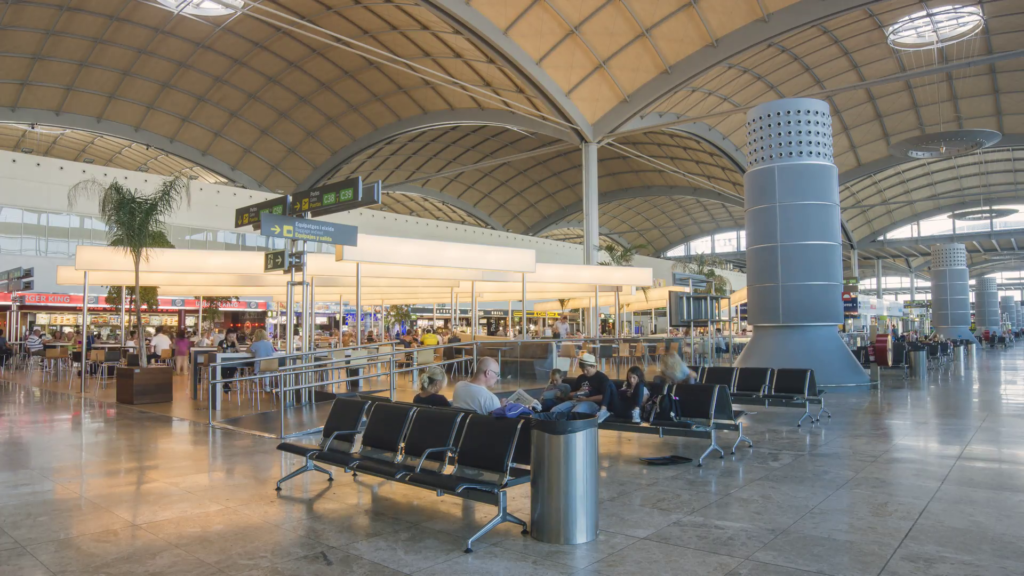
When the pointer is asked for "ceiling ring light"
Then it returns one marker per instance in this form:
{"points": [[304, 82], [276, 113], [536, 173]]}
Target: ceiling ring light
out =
{"points": [[935, 27], [979, 214], [204, 7], [945, 144]]}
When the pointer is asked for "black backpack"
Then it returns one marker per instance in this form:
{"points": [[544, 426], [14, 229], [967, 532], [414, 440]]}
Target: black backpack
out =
{"points": [[662, 405]]}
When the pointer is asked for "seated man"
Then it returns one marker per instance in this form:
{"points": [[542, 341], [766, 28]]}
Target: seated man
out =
{"points": [[596, 394], [474, 394]]}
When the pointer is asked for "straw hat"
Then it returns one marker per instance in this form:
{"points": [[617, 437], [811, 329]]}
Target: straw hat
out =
{"points": [[588, 359]]}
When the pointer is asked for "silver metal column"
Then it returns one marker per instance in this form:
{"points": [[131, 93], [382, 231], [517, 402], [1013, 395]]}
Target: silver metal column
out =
{"points": [[199, 320], [913, 287], [525, 333], [855, 263], [591, 223], [85, 329], [124, 326], [1017, 324], [597, 312], [951, 301], [359, 304], [511, 332], [878, 279], [986, 305], [289, 296], [618, 325], [473, 311], [794, 243]]}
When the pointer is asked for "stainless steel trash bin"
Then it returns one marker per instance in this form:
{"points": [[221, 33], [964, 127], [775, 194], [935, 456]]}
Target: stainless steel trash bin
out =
{"points": [[918, 363], [958, 354], [563, 481]]}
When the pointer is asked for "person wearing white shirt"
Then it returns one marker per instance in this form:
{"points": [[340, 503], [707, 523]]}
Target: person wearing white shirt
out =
{"points": [[160, 342], [217, 337], [473, 394], [562, 327]]}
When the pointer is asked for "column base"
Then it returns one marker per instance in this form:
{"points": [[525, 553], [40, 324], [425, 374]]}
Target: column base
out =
{"points": [[817, 347]]}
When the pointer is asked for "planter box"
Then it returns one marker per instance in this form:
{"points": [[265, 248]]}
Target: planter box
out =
{"points": [[144, 385]]}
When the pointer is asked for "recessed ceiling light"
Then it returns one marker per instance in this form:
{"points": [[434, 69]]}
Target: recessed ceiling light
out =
{"points": [[27, 150], [88, 160], [143, 168]]}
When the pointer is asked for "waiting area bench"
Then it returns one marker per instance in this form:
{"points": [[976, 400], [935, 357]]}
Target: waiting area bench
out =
{"points": [[701, 412], [417, 446], [786, 387]]}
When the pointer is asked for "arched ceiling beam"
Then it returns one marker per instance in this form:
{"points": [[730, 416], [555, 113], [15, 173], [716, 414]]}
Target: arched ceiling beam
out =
{"points": [[629, 193], [870, 239], [886, 162], [602, 231], [463, 17], [780, 23], [125, 132], [426, 122], [451, 200]]}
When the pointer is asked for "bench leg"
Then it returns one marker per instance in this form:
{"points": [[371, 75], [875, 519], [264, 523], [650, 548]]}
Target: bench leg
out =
{"points": [[712, 448], [807, 414], [503, 516], [309, 467], [741, 438], [823, 410]]}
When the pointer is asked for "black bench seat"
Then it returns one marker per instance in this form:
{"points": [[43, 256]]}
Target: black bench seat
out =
{"points": [[704, 410], [416, 446]]}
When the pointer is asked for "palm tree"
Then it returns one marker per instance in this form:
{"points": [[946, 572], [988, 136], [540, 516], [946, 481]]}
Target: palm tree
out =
{"points": [[621, 255], [135, 220], [704, 265]]}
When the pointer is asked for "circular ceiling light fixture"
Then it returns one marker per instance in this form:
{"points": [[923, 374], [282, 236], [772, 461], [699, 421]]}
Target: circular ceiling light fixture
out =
{"points": [[935, 27], [204, 7], [977, 214], [945, 144]]}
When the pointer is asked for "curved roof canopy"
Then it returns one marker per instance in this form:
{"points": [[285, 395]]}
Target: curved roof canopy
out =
{"points": [[472, 111]]}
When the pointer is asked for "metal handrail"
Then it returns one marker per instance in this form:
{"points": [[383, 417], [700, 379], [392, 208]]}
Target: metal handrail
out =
{"points": [[298, 376]]}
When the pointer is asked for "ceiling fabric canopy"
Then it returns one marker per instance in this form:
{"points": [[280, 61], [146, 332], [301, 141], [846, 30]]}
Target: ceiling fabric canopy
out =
{"points": [[472, 112]]}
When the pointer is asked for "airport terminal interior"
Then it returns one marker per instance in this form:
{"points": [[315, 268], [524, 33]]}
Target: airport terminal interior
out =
{"points": [[511, 287]]}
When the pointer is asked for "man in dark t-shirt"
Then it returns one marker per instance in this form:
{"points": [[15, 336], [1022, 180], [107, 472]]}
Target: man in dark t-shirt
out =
{"points": [[594, 392]]}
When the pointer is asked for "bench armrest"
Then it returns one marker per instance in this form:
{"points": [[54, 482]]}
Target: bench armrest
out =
{"points": [[336, 434], [423, 457]]}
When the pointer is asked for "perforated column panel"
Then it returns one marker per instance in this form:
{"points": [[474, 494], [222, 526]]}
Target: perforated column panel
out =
{"points": [[794, 243], [1017, 325], [951, 301], [986, 305]]}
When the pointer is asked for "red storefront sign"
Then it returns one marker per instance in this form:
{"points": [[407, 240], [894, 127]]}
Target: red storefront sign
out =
{"points": [[41, 299]]}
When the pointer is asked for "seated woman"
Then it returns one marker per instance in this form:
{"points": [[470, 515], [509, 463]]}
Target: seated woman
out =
{"points": [[432, 381], [632, 395]]}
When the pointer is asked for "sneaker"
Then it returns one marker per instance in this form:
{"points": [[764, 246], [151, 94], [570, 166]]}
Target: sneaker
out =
{"points": [[636, 415], [602, 415]]}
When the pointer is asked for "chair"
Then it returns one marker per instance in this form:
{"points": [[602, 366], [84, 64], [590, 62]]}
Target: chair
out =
{"points": [[106, 359], [752, 383], [720, 375], [568, 351], [640, 353], [623, 355], [166, 356], [704, 407], [382, 438], [270, 369], [798, 385], [339, 434], [483, 462]]}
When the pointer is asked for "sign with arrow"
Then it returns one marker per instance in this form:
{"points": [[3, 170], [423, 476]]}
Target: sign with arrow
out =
{"points": [[252, 215], [275, 261], [329, 198], [311, 230]]}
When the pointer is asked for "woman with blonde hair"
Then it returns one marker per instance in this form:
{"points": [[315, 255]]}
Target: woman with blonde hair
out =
{"points": [[432, 380], [673, 371]]}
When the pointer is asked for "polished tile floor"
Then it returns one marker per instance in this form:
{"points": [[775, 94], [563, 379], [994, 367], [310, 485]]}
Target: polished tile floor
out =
{"points": [[917, 478]]}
